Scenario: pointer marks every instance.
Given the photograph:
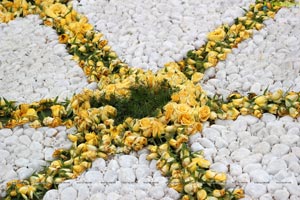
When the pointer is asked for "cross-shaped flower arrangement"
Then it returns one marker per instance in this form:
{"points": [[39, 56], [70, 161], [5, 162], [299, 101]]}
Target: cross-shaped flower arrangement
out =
{"points": [[132, 109]]}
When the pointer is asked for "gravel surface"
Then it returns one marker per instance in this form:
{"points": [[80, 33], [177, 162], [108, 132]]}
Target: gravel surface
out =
{"points": [[34, 65], [149, 33], [260, 155]]}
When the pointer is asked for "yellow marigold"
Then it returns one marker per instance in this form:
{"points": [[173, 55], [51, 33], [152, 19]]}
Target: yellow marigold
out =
{"points": [[217, 35]]}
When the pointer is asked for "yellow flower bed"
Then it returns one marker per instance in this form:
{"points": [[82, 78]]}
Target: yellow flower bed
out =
{"points": [[166, 134]]}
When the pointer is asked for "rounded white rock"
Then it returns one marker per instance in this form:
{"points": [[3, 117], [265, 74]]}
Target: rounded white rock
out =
{"points": [[68, 193]]}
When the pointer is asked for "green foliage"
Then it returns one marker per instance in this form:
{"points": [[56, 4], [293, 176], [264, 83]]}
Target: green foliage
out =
{"points": [[144, 101]]}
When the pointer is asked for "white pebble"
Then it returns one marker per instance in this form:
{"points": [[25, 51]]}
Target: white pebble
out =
{"points": [[68, 193], [260, 176], [280, 149], [51, 195], [262, 147], [93, 176], [240, 154], [126, 175], [127, 160], [255, 190], [5, 132], [156, 192], [276, 165], [281, 194]]}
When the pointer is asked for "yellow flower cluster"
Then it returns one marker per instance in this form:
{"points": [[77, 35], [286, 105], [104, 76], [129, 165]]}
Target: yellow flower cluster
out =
{"points": [[276, 103], [47, 112], [9, 10], [167, 133], [223, 39]]}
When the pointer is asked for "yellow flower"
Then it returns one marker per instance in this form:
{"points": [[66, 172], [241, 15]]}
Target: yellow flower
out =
{"points": [[89, 155], [78, 169], [35, 124], [152, 148], [31, 114], [163, 148], [157, 128], [212, 58], [111, 111], [174, 143], [201, 194], [192, 188], [63, 38], [152, 156], [201, 162], [261, 101], [245, 34], [56, 10], [145, 125], [185, 119], [72, 137], [222, 56], [175, 97], [293, 112], [257, 113], [23, 190], [238, 193], [220, 177], [91, 138], [272, 108], [232, 113], [218, 193], [217, 35], [56, 164], [209, 174], [13, 193], [57, 110], [176, 184], [165, 169], [174, 166], [97, 37], [196, 77], [258, 26], [271, 14], [81, 27], [204, 113], [48, 22], [82, 48], [277, 96]]}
